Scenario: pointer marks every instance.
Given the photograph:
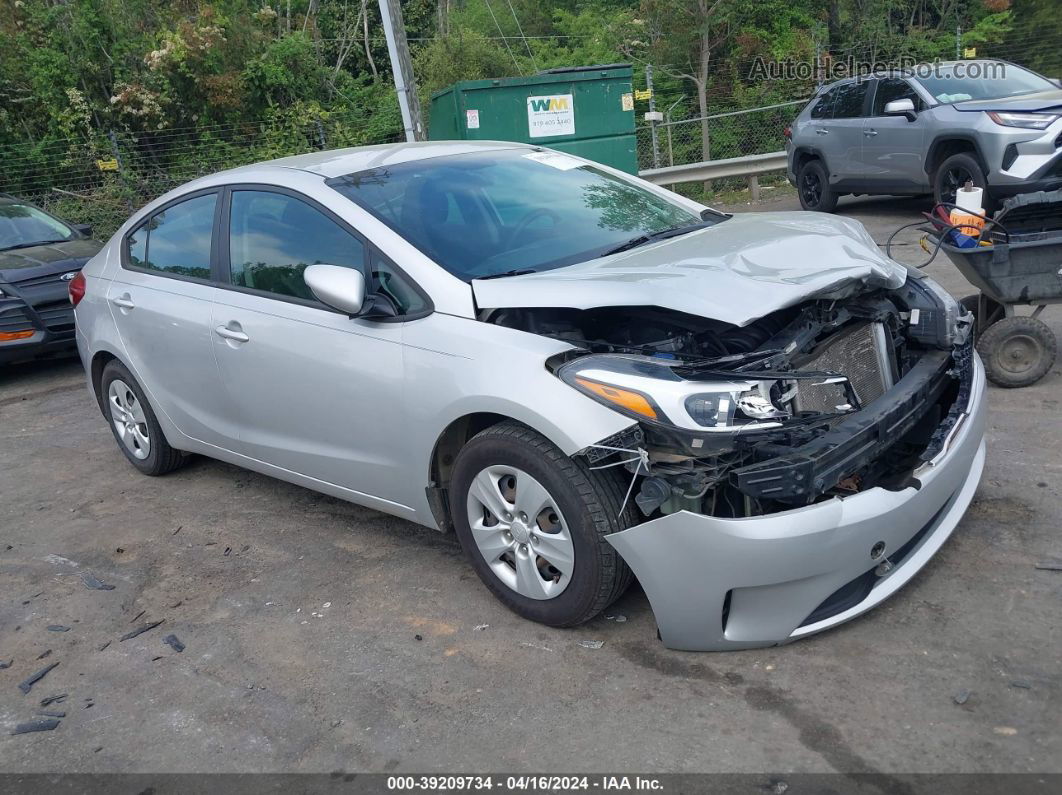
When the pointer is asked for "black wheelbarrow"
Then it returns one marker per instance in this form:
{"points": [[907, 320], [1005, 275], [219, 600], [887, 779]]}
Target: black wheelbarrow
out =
{"points": [[1021, 266]]}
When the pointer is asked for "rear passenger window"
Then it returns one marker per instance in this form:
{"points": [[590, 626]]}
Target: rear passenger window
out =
{"points": [[176, 241], [849, 102], [274, 237], [823, 109]]}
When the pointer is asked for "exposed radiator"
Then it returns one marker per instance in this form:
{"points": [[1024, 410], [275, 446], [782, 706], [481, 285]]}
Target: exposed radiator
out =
{"points": [[859, 352]]}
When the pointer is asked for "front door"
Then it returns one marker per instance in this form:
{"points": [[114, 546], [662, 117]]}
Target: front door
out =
{"points": [[309, 390], [894, 146]]}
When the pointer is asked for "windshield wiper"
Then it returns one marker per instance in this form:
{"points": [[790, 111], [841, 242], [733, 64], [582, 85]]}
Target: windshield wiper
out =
{"points": [[34, 243], [651, 237], [503, 274]]}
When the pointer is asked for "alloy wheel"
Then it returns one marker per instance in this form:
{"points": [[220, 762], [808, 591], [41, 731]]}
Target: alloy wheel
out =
{"points": [[520, 532], [811, 189], [129, 421], [954, 178]]}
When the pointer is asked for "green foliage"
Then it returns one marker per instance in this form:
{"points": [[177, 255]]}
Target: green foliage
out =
{"points": [[178, 88]]}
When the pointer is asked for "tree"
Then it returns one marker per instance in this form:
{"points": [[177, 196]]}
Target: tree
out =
{"points": [[683, 35]]}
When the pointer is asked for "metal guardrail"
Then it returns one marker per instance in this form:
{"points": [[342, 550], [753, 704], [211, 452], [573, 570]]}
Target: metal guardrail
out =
{"points": [[747, 166]]}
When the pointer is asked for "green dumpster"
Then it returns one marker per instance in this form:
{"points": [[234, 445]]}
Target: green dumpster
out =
{"points": [[586, 111]]}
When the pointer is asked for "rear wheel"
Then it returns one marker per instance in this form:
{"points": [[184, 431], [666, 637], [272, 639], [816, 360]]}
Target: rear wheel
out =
{"points": [[813, 188], [1017, 351], [134, 425], [533, 522]]}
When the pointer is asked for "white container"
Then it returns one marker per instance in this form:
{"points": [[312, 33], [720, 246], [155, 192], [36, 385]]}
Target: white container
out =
{"points": [[969, 199]]}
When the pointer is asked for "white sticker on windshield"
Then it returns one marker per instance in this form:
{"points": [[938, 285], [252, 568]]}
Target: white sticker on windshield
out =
{"points": [[555, 159]]}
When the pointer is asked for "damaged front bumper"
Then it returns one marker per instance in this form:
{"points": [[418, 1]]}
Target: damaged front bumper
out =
{"points": [[717, 583]]}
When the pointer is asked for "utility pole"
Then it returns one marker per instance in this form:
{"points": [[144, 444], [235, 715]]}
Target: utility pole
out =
{"points": [[402, 68], [652, 114], [958, 42], [818, 64]]}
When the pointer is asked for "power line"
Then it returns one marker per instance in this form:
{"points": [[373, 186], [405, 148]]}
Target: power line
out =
{"points": [[504, 39], [522, 36]]}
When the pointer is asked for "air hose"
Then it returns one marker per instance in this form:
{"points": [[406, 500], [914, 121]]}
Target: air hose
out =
{"points": [[942, 233]]}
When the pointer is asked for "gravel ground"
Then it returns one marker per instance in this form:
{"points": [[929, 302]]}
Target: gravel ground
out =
{"points": [[321, 636]]}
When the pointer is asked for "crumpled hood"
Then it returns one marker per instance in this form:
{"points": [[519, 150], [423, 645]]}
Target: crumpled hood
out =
{"points": [[1039, 100], [737, 271]]}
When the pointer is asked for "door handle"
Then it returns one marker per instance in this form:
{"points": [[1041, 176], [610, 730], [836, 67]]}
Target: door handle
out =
{"points": [[123, 301], [231, 334], [870, 133], [821, 131]]}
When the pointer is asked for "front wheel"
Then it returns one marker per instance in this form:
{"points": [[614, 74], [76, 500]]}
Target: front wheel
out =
{"points": [[954, 173], [533, 522]]}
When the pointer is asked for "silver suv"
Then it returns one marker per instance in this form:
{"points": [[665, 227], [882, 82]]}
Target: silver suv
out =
{"points": [[928, 129]]}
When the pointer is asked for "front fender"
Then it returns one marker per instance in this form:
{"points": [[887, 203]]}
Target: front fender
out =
{"points": [[455, 367]]}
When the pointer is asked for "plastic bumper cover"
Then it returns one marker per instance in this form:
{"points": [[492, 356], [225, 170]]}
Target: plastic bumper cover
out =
{"points": [[717, 584]]}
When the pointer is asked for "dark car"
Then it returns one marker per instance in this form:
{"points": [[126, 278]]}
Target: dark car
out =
{"points": [[39, 257]]}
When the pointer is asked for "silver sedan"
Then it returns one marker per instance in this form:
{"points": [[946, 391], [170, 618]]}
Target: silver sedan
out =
{"points": [[586, 377]]}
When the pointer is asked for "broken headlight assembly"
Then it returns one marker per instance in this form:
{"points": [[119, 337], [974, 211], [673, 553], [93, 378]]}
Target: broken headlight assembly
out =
{"points": [[649, 389]]}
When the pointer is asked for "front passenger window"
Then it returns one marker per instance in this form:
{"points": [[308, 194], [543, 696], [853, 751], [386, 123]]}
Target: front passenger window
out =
{"points": [[274, 237], [893, 88]]}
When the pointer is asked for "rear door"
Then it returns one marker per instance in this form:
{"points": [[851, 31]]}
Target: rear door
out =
{"points": [[893, 146], [160, 301], [309, 389], [843, 145]]}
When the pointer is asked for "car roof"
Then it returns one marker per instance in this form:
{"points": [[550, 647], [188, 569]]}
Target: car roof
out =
{"points": [[339, 162]]}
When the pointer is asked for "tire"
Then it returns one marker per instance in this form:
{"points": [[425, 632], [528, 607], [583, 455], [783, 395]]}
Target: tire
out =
{"points": [[813, 188], [995, 311], [144, 445], [1017, 351], [953, 173], [584, 503]]}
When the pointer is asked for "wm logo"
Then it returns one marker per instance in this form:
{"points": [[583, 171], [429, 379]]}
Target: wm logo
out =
{"points": [[549, 103]]}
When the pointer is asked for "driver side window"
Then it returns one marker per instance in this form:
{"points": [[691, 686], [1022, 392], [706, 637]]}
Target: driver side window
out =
{"points": [[274, 237]]}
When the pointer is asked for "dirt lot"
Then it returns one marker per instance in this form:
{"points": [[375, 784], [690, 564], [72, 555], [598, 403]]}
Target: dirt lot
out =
{"points": [[323, 636]]}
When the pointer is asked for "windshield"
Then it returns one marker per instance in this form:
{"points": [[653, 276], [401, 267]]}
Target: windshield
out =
{"points": [[978, 80], [22, 226], [490, 213]]}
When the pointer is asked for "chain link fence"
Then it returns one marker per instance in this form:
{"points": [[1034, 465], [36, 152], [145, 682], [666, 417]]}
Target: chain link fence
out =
{"points": [[754, 131], [101, 177]]}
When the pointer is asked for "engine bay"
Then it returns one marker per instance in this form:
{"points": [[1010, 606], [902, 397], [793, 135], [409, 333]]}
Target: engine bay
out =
{"points": [[785, 411]]}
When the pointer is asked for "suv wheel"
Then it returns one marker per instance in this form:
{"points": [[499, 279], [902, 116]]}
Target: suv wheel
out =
{"points": [[533, 522], [813, 188], [955, 172]]}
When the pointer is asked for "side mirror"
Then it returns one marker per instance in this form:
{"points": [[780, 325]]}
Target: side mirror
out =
{"points": [[85, 229], [901, 107], [339, 288]]}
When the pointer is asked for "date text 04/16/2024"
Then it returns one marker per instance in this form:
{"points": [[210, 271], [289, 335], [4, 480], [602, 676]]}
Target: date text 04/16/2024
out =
{"points": [[522, 783]]}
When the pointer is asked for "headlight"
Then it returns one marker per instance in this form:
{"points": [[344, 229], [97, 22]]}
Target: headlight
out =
{"points": [[651, 391], [1030, 121]]}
